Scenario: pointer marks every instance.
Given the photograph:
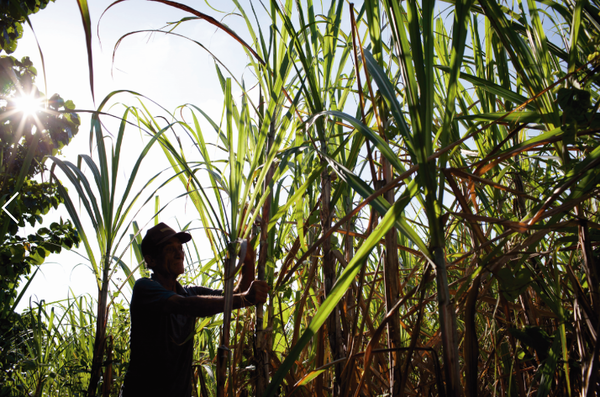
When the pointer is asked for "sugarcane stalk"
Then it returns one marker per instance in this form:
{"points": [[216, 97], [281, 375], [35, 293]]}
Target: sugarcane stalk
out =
{"points": [[260, 342], [392, 290], [100, 339], [223, 350], [333, 321]]}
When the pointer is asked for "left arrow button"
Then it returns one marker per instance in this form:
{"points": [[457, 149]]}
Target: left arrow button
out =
{"points": [[7, 203]]}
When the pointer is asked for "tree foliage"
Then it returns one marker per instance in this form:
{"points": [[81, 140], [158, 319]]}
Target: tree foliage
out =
{"points": [[14, 14], [26, 139]]}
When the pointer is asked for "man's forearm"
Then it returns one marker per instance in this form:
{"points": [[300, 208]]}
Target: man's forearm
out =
{"points": [[204, 306]]}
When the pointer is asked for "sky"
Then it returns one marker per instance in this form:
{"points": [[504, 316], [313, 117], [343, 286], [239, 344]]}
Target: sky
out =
{"points": [[168, 70]]}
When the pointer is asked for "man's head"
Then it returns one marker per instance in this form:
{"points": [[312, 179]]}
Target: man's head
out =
{"points": [[162, 248]]}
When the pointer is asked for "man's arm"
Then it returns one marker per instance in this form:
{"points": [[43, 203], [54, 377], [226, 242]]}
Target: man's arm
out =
{"points": [[204, 306]]}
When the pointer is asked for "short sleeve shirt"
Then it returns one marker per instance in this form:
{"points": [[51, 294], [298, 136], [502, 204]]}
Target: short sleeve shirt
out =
{"points": [[162, 343]]}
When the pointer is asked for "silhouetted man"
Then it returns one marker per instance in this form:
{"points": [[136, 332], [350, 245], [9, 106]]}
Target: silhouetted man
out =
{"points": [[163, 315]]}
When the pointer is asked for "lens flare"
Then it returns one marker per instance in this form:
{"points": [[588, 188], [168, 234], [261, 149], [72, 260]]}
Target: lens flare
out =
{"points": [[28, 105]]}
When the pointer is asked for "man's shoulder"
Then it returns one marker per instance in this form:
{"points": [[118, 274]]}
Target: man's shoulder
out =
{"points": [[145, 282], [145, 285], [147, 290]]}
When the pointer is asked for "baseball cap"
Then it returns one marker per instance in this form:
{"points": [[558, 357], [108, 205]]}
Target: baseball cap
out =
{"points": [[159, 234]]}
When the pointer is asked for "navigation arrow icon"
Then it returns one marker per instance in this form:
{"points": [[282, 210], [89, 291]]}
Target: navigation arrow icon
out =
{"points": [[7, 203]]}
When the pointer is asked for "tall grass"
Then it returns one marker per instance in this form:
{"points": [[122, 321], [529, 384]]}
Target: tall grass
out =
{"points": [[420, 184], [56, 352]]}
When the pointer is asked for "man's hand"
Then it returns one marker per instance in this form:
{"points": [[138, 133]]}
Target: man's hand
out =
{"points": [[257, 293]]}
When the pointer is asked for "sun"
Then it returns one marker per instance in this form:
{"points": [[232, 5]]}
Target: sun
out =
{"points": [[29, 105]]}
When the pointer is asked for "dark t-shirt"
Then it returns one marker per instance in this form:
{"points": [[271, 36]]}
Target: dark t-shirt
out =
{"points": [[162, 344]]}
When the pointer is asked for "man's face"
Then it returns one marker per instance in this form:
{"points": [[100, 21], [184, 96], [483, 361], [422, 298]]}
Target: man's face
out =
{"points": [[170, 262]]}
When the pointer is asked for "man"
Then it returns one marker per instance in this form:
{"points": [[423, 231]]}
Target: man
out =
{"points": [[163, 315]]}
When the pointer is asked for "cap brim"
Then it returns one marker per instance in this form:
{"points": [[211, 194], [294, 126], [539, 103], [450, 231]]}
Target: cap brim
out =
{"points": [[183, 237]]}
